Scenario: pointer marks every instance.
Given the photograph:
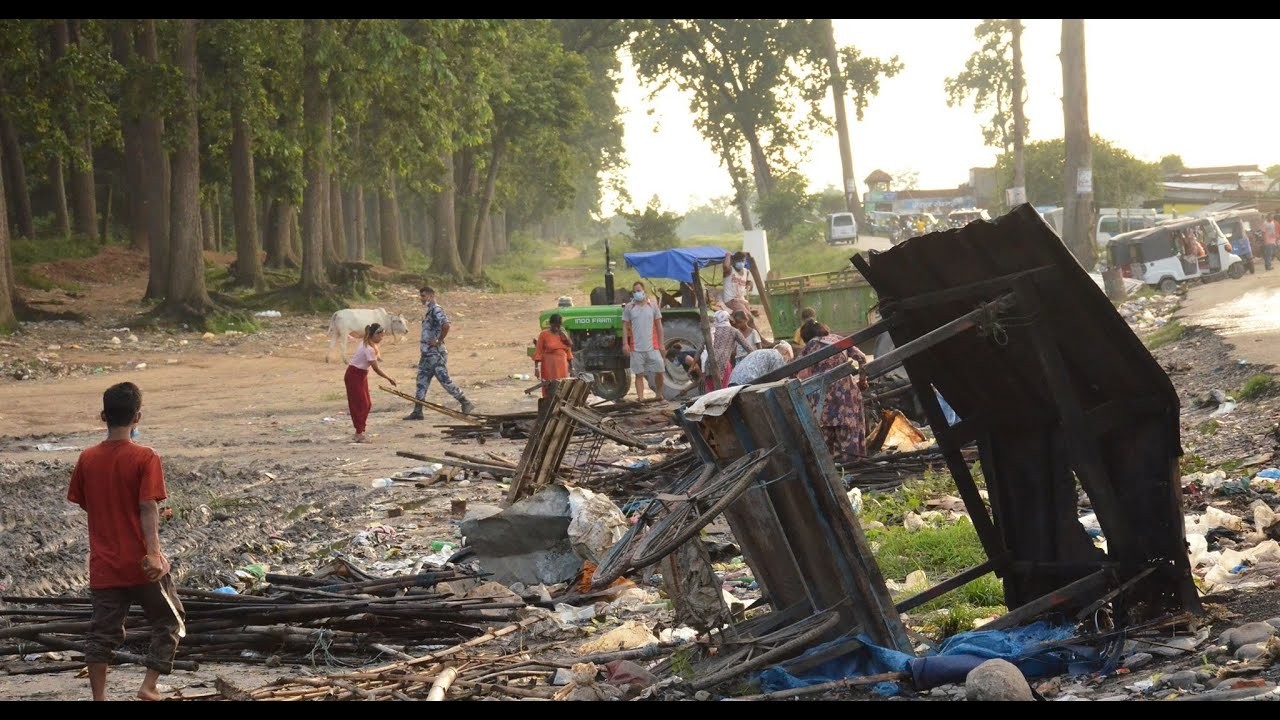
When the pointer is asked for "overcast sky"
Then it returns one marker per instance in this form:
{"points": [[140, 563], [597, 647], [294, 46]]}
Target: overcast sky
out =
{"points": [[1198, 88]]}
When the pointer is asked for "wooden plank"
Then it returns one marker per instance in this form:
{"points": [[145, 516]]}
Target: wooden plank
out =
{"points": [[1088, 463], [1092, 583], [895, 357], [597, 424], [496, 470], [763, 289], [950, 584], [432, 406], [963, 292], [873, 606]]}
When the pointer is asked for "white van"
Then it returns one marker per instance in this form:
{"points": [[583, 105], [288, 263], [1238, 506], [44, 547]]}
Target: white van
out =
{"points": [[842, 227], [1114, 221]]}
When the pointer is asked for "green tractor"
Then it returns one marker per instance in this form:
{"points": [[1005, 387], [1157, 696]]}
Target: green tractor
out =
{"points": [[596, 330]]}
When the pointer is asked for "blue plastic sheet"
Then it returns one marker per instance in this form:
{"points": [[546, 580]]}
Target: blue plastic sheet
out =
{"points": [[676, 264], [1024, 647]]}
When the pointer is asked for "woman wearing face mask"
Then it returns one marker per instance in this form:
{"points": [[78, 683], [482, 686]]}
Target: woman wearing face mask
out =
{"points": [[737, 284], [724, 339], [552, 353]]}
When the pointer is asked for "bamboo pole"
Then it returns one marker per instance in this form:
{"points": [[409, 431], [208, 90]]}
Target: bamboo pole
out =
{"points": [[441, 685]]}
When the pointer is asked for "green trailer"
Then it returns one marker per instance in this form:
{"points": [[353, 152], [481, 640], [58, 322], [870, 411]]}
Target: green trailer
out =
{"points": [[843, 299]]}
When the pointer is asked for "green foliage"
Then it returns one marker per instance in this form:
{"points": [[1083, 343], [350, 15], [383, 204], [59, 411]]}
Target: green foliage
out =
{"points": [[987, 78], [1257, 386], [653, 228], [890, 507], [939, 551], [789, 205], [219, 323], [1170, 164], [1208, 428], [30, 251], [1166, 335], [1192, 463], [1119, 179]]}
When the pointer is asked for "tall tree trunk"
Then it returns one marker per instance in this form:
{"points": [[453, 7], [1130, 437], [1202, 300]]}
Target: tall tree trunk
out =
{"points": [[84, 202], [410, 239], [478, 251], [187, 295], [361, 224], [243, 193], [337, 224], [218, 230], [374, 232], [62, 216], [392, 253], [18, 190], [1077, 213], [445, 259], [280, 236], [759, 163], [852, 202], [295, 238], [155, 184], [468, 182], [314, 159], [349, 221], [1019, 119], [207, 237], [8, 288]]}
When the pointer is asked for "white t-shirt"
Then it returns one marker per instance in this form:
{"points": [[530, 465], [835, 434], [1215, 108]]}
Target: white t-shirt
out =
{"points": [[363, 356], [735, 285], [753, 340]]}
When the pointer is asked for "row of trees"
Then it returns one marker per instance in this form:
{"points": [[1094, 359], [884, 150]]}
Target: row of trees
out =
{"points": [[321, 141]]}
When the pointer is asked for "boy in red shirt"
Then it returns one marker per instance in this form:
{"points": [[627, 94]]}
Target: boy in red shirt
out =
{"points": [[119, 484]]}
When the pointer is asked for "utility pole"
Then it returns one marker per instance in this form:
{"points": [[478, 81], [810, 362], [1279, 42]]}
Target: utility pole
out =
{"points": [[1019, 119], [851, 201], [1078, 232]]}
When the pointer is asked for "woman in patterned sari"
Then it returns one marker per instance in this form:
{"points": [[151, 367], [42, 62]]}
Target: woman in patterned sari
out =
{"points": [[839, 410], [724, 338]]}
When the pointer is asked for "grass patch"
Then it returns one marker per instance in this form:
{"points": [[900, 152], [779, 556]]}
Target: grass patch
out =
{"points": [[940, 552], [31, 251], [945, 622], [35, 281], [1192, 463], [1260, 385], [1209, 428], [1166, 335], [890, 507], [519, 272], [219, 323]]}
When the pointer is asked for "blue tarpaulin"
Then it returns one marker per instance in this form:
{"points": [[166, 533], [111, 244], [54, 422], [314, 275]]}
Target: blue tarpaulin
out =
{"points": [[1024, 647], [675, 264]]}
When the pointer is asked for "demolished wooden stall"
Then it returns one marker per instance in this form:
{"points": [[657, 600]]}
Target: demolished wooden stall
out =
{"points": [[559, 419], [1060, 389]]}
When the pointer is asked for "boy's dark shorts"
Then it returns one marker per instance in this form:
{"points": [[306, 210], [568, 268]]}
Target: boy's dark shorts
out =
{"points": [[111, 608]]}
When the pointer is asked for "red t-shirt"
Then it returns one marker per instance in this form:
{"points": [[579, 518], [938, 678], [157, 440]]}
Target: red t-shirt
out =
{"points": [[109, 481]]}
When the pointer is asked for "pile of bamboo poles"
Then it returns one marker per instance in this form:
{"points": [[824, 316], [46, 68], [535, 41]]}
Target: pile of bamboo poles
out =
{"points": [[296, 620]]}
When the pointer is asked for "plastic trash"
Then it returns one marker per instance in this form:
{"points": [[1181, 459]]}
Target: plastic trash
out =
{"points": [[1270, 474], [226, 590], [267, 314], [382, 483], [50, 447], [855, 499], [520, 376]]}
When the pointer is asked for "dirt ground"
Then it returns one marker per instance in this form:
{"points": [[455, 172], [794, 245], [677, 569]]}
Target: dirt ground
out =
{"points": [[1246, 312], [253, 431]]}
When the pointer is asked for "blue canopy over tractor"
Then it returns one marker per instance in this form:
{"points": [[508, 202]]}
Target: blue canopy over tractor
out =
{"points": [[677, 264]]}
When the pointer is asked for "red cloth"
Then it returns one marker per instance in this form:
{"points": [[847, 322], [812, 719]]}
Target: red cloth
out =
{"points": [[555, 354], [358, 400], [109, 481]]}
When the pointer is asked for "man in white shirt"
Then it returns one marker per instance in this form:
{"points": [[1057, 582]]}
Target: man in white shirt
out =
{"points": [[737, 284], [641, 340]]}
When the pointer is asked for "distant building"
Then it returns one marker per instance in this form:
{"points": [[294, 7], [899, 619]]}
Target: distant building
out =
{"points": [[1193, 189]]}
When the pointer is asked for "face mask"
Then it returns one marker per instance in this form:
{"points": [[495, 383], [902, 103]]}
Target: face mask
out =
{"points": [[739, 266], [133, 434], [638, 295]]}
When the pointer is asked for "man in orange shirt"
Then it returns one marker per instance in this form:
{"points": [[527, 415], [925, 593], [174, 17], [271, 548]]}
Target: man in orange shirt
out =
{"points": [[119, 483]]}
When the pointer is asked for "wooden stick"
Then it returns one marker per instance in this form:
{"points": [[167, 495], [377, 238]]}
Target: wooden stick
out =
{"points": [[823, 687], [118, 656], [493, 635], [442, 683], [432, 406], [390, 651]]}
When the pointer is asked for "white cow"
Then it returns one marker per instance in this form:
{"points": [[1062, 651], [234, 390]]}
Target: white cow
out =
{"points": [[344, 323]]}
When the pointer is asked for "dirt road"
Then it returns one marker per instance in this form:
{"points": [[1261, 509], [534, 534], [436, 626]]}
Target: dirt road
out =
{"points": [[1246, 312]]}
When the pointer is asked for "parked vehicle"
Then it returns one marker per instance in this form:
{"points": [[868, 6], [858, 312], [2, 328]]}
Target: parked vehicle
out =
{"points": [[1243, 229], [842, 298], [1114, 221], [885, 224], [596, 330], [960, 217], [1161, 256], [842, 227]]}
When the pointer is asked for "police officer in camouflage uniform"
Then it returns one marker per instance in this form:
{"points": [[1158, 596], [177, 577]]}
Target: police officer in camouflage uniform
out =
{"points": [[435, 359]]}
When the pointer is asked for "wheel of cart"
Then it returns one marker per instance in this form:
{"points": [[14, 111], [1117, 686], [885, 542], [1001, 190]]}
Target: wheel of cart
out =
{"points": [[688, 513], [618, 561]]}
